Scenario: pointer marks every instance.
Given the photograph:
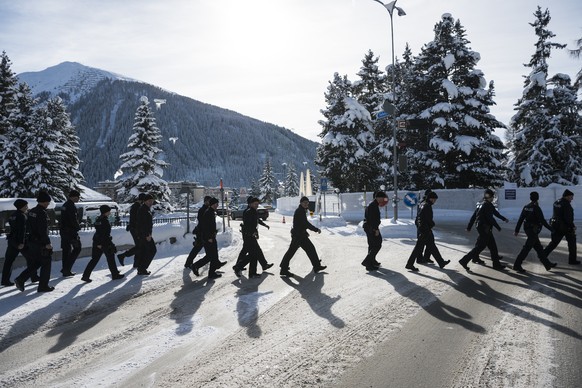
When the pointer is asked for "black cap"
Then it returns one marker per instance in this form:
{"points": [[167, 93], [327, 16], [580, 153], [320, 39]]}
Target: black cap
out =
{"points": [[303, 199], [567, 193], [534, 196], [488, 193], [212, 201], [207, 198], [141, 197], [254, 199], [148, 197], [432, 194], [380, 194], [249, 199], [104, 209], [20, 203], [74, 193], [43, 196]]}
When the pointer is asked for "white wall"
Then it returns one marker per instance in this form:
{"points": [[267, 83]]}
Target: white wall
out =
{"points": [[452, 201]]}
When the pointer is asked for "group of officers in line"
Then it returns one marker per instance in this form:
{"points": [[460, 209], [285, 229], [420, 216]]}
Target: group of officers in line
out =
{"points": [[561, 226], [29, 235]]}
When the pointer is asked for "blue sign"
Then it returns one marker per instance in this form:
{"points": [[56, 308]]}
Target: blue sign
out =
{"points": [[381, 115], [410, 200], [323, 184]]}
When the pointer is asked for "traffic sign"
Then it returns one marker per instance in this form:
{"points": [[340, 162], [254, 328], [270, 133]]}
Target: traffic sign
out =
{"points": [[381, 115], [410, 200], [323, 184]]}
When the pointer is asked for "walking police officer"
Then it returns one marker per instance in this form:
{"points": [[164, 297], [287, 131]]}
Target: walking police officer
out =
{"points": [[69, 230], [562, 223]]}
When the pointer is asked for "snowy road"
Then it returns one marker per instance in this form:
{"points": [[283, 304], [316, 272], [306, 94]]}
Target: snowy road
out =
{"points": [[343, 327]]}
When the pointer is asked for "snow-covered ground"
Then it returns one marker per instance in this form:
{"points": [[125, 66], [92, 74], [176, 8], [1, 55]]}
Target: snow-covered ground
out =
{"points": [[173, 329]]}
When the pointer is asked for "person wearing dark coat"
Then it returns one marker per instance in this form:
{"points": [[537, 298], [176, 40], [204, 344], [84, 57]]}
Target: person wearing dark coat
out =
{"points": [[69, 230], [532, 218], [300, 239], [38, 248], [243, 256], [251, 252], [146, 246], [15, 239], [372, 220], [208, 233], [484, 218], [102, 244], [198, 243], [425, 223], [423, 258], [132, 229], [562, 223]]}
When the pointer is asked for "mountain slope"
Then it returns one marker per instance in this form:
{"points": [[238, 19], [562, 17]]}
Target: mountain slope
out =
{"points": [[212, 143]]}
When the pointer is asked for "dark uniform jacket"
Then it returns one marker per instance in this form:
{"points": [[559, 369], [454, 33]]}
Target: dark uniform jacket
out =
{"points": [[532, 217], [37, 225], [17, 221], [483, 215], [69, 225], [207, 225], [563, 216], [201, 212], [132, 225], [372, 217], [144, 221], [250, 222], [300, 223], [102, 234], [424, 219]]}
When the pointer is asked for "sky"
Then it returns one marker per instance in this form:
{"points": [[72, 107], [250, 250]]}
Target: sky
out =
{"points": [[273, 59]]}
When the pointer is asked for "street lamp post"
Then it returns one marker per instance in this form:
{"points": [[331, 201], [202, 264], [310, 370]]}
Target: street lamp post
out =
{"points": [[390, 8]]}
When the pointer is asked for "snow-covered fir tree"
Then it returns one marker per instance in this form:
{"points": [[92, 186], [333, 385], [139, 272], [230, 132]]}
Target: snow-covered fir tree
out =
{"points": [[577, 53], [68, 144], [537, 140], [141, 167], [451, 95], [44, 164], [346, 136], [12, 183], [8, 90], [255, 190], [291, 182], [267, 183]]}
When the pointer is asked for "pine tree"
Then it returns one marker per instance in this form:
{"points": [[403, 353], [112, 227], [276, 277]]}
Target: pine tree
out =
{"points": [[267, 183], [12, 183], [255, 190], [291, 182], [451, 95], [68, 142], [8, 90], [533, 138], [142, 170], [42, 165], [347, 133]]}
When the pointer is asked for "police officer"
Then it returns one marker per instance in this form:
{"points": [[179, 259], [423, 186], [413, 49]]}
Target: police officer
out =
{"points": [[532, 219], [16, 239], [251, 251], [243, 256], [425, 223], [300, 239], [102, 243], [198, 241], [146, 246], [372, 220], [69, 230], [483, 216], [132, 228], [208, 231], [562, 223], [38, 245]]}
